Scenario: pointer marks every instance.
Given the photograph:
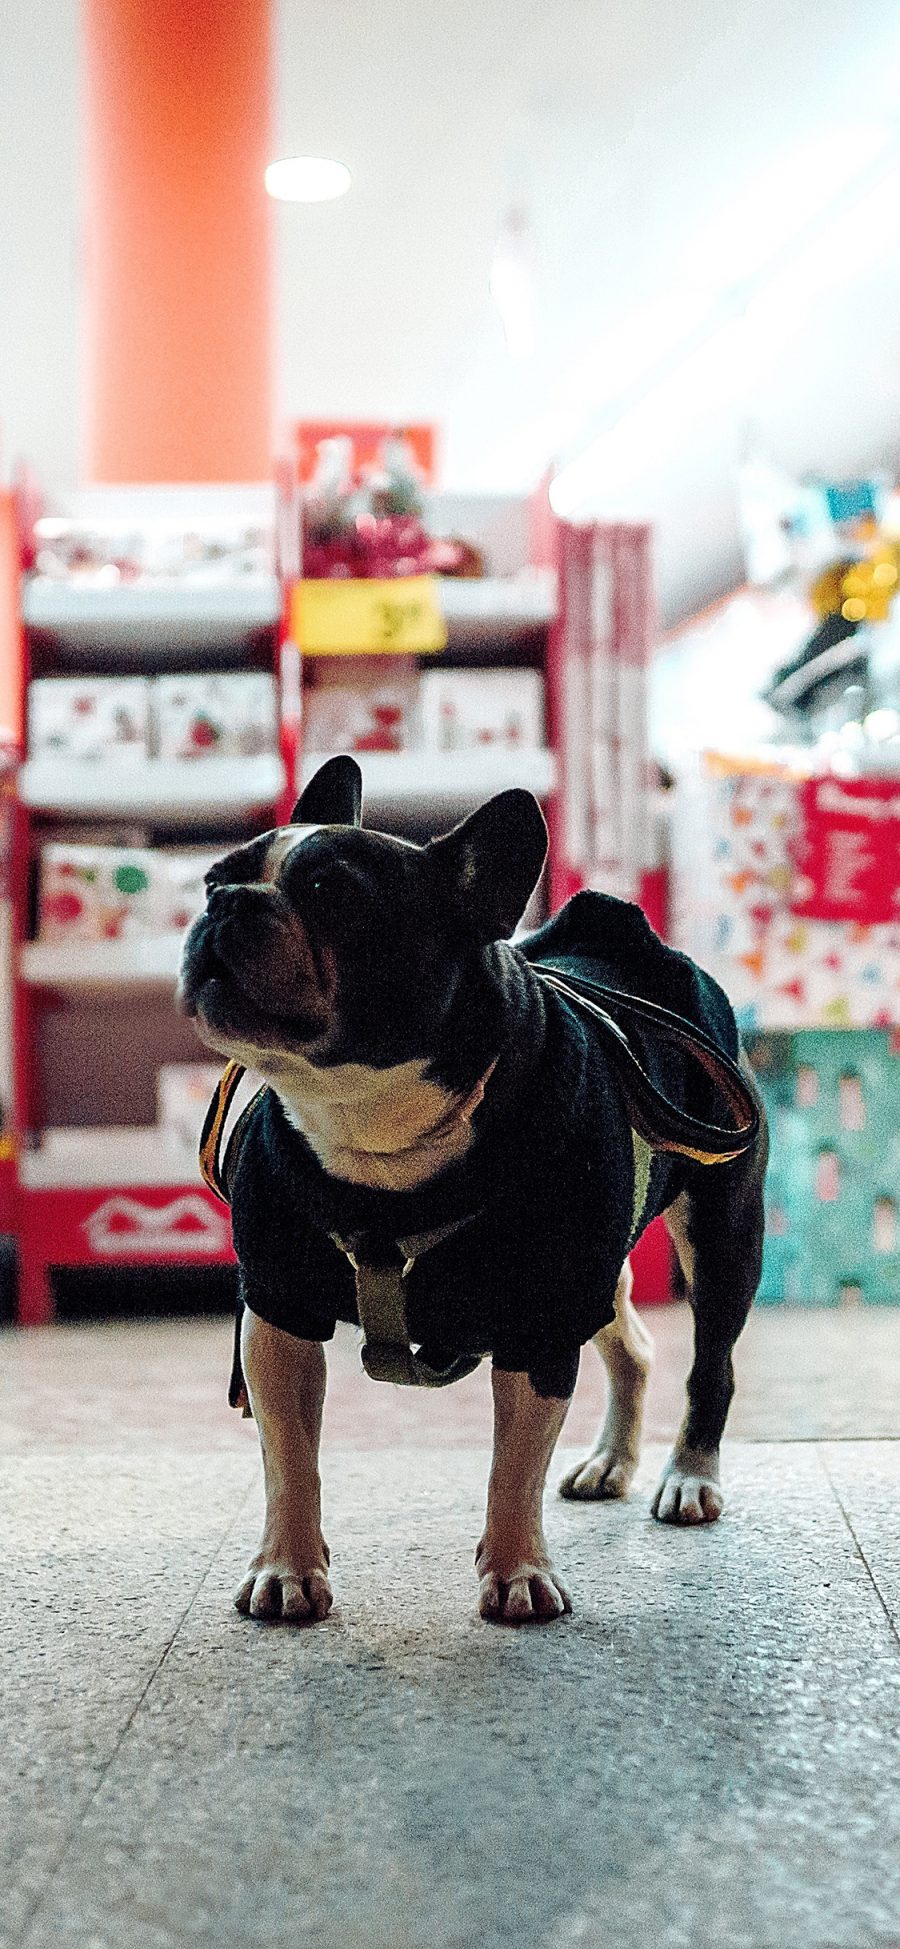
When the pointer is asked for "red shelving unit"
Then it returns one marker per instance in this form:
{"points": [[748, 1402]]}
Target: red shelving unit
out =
{"points": [[102, 1190], [91, 1021]]}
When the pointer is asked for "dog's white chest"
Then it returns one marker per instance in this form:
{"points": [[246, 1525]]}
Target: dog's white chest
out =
{"points": [[388, 1128]]}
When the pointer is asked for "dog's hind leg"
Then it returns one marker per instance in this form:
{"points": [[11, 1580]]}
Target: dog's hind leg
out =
{"points": [[626, 1349], [717, 1229], [285, 1376]]}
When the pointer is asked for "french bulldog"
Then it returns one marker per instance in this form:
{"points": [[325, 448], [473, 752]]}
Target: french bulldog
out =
{"points": [[442, 1128]]}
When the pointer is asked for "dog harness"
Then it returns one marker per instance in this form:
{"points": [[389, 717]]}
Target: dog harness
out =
{"points": [[657, 1124]]}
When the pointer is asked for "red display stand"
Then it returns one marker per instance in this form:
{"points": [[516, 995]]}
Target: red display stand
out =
{"points": [[593, 657], [601, 821], [125, 1226]]}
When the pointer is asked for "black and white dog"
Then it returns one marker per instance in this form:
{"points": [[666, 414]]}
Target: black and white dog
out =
{"points": [[445, 1140]]}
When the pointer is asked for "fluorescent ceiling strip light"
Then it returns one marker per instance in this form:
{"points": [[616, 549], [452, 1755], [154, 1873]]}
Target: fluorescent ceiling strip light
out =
{"points": [[510, 285], [777, 205], [744, 335], [754, 228]]}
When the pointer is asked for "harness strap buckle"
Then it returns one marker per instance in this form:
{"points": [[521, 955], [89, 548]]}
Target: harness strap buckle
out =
{"points": [[387, 1353]]}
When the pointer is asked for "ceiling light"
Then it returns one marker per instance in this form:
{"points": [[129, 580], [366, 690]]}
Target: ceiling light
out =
{"points": [[882, 723], [510, 284], [307, 179]]}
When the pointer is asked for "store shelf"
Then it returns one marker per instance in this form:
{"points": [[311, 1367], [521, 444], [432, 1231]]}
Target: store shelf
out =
{"points": [[426, 782], [176, 793], [495, 608], [151, 962], [119, 1155], [139, 615]]}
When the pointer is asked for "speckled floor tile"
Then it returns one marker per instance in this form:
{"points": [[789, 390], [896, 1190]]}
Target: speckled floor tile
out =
{"points": [[865, 1477], [103, 1555], [703, 1757], [802, 1375]]}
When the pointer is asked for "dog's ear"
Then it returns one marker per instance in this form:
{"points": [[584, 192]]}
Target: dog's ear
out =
{"points": [[489, 865], [333, 797]]}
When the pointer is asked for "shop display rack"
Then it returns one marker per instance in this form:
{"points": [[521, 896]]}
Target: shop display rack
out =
{"points": [[93, 1018], [97, 1183]]}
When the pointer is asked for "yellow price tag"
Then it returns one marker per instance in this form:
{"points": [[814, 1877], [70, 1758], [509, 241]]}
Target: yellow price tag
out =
{"points": [[381, 617]]}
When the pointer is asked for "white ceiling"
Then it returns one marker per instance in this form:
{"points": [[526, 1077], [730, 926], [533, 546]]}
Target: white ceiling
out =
{"points": [[621, 125]]}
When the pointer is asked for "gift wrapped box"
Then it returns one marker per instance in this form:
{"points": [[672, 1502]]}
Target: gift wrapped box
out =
{"points": [[464, 709], [99, 893], [91, 718], [362, 711], [181, 887], [103, 893], [735, 839], [203, 716]]}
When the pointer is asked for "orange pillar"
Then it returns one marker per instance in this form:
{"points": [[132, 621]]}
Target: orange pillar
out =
{"points": [[178, 116]]}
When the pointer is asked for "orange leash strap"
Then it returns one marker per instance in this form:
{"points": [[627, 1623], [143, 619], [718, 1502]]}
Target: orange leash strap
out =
{"points": [[662, 1124], [213, 1126]]}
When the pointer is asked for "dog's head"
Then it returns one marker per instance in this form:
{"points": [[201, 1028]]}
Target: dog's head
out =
{"points": [[345, 945]]}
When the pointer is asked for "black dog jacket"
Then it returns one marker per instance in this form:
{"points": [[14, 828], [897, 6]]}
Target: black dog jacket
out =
{"points": [[548, 1192]]}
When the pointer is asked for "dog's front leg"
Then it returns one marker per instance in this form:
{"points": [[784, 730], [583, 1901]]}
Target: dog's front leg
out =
{"points": [[517, 1580], [288, 1576]]}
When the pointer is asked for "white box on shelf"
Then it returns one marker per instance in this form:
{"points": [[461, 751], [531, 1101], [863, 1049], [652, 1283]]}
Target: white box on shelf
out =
{"points": [[99, 893], [464, 710], [362, 712], [89, 718], [183, 1092], [201, 716], [112, 893], [182, 887]]}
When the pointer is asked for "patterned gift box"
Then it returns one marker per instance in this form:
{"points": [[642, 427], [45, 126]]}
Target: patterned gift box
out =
{"points": [[90, 718], [200, 716], [734, 830], [99, 893], [464, 710], [103, 893]]}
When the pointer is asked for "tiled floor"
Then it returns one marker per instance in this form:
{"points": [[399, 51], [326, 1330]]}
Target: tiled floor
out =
{"points": [[706, 1754]]}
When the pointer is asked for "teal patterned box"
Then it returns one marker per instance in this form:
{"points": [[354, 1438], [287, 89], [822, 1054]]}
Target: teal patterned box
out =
{"points": [[833, 1186]]}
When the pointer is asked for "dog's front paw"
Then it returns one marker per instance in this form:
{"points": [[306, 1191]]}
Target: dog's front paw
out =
{"points": [[689, 1491], [518, 1586], [286, 1582], [602, 1476]]}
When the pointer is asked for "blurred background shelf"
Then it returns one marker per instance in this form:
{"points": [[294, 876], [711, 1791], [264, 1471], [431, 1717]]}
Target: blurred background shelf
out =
{"points": [[148, 962], [482, 611], [178, 793], [431, 783], [175, 616], [113, 1155]]}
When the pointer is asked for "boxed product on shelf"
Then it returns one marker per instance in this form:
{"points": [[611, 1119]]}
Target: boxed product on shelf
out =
{"points": [[98, 893], [465, 709], [181, 887], [362, 710], [229, 716], [102, 553], [183, 1092], [833, 1183], [104, 893], [735, 845], [92, 718]]}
